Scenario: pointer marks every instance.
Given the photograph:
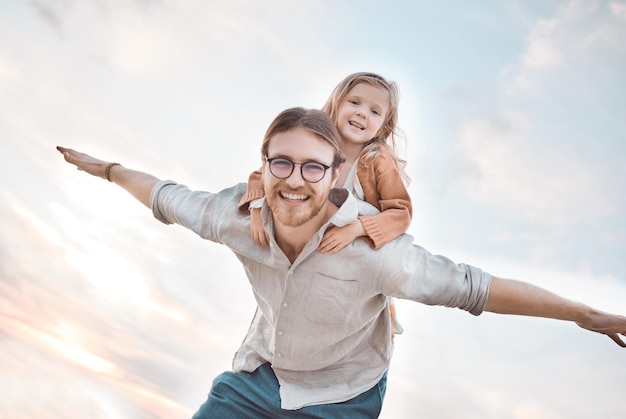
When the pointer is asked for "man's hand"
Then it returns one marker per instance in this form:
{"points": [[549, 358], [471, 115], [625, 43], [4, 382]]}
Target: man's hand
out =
{"points": [[507, 296], [138, 184], [84, 162], [608, 324]]}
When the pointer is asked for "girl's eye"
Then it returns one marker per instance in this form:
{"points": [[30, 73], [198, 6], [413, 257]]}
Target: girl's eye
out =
{"points": [[354, 102], [375, 112]]}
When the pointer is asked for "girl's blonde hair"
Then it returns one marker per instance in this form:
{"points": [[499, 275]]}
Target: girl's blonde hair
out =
{"points": [[389, 132]]}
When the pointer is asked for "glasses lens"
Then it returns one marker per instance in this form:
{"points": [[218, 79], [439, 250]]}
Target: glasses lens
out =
{"points": [[281, 168], [313, 172]]}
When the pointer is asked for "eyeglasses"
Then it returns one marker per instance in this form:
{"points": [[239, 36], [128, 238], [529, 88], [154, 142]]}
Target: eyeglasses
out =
{"points": [[311, 171]]}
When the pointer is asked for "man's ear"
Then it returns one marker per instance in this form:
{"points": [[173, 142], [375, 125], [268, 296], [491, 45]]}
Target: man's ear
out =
{"points": [[336, 173]]}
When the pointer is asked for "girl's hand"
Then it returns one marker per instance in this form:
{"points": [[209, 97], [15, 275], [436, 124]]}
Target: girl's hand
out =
{"points": [[336, 238], [259, 234]]}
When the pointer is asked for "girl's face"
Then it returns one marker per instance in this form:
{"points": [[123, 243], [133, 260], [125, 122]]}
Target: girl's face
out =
{"points": [[362, 113]]}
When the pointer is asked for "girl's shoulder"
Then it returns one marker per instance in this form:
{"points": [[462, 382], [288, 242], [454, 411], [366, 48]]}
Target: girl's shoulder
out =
{"points": [[378, 162], [383, 157]]}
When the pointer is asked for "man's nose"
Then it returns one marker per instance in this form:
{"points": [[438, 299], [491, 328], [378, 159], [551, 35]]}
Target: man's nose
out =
{"points": [[295, 179]]}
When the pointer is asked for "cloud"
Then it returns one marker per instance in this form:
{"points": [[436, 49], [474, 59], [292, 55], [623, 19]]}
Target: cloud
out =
{"points": [[540, 183], [618, 8], [518, 155], [119, 345], [578, 33], [50, 12]]}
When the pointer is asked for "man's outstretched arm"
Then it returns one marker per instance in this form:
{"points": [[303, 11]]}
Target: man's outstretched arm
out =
{"points": [[508, 296], [138, 184]]}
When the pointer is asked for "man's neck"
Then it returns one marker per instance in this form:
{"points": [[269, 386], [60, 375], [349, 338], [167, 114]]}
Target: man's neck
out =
{"points": [[292, 240]]}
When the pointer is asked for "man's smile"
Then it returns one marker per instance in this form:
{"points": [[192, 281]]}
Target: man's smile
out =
{"points": [[293, 197]]}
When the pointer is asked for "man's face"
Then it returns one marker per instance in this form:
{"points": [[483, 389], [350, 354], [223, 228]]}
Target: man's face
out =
{"points": [[293, 200]]}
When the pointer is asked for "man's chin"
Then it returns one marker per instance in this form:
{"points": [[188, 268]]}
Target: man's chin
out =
{"points": [[289, 219]]}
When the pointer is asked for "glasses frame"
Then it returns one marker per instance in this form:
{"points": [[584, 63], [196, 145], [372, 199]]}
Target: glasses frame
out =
{"points": [[293, 166]]}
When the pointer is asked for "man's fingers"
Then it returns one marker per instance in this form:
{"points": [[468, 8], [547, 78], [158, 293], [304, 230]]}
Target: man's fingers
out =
{"points": [[66, 153], [617, 340]]}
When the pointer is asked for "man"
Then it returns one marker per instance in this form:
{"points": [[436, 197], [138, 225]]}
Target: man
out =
{"points": [[320, 341]]}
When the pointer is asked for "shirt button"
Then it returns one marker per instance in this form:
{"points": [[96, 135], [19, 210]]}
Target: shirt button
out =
{"points": [[285, 305], [279, 355], [280, 333]]}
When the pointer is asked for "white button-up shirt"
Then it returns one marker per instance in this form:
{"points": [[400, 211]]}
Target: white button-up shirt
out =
{"points": [[322, 322]]}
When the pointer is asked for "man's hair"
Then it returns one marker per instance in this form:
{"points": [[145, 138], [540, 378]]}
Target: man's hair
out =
{"points": [[315, 121]]}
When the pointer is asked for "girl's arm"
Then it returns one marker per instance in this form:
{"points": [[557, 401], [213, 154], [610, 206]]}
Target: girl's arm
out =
{"points": [[383, 187], [255, 191]]}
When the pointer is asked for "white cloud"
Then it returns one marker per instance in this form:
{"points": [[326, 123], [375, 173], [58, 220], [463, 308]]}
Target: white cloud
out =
{"points": [[543, 51], [525, 177], [575, 36], [618, 8], [520, 158]]}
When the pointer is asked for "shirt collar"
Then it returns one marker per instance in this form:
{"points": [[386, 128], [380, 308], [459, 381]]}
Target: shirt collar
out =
{"points": [[348, 211]]}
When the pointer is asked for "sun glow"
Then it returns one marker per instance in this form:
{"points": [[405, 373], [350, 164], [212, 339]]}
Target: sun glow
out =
{"points": [[78, 355]]}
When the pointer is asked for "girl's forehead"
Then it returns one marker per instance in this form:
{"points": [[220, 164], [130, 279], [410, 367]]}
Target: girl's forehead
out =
{"points": [[368, 86], [371, 92]]}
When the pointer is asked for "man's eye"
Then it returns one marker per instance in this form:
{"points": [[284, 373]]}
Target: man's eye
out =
{"points": [[281, 164], [313, 167]]}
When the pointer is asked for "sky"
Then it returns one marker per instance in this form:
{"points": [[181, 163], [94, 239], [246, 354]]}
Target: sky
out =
{"points": [[514, 115]]}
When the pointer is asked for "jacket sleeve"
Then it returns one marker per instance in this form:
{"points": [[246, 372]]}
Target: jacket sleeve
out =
{"points": [[383, 187], [255, 191]]}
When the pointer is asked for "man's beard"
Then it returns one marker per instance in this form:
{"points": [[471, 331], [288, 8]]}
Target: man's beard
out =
{"points": [[294, 217]]}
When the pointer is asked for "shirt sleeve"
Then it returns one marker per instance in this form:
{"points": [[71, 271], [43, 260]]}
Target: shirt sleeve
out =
{"points": [[411, 272], [205, 213]]}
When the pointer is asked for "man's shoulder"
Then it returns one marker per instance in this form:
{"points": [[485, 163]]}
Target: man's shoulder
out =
{"points": [[174, 192], [392, 252]]}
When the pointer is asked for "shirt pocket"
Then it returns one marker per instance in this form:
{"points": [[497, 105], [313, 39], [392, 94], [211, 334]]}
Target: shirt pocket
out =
{"points": [[331, 300]]}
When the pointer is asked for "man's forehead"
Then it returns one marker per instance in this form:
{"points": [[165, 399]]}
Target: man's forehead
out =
{"points": [[299, 143]]}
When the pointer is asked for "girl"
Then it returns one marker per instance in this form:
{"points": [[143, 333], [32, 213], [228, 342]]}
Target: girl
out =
{"points": [[364, 107]]}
